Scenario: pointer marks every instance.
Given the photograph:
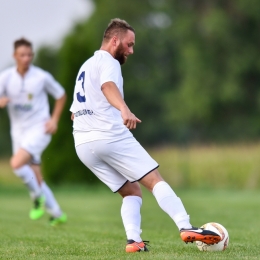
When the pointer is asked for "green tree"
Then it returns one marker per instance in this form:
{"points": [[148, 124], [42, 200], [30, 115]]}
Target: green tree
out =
{"points": [[194, 75]]}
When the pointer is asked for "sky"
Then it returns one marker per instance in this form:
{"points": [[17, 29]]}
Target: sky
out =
{"points": [[40, 21]]}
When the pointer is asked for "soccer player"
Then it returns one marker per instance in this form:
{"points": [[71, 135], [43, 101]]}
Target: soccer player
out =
{"points": [[101, 122], [24, 89]]}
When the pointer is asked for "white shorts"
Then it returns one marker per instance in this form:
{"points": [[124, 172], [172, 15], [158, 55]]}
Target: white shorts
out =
{"points": [[116, 162], [34, 140]]}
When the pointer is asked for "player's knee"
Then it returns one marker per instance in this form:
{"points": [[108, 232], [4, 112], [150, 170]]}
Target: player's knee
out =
{"points": [[136, 191], [14, 163], [151, 179], [23, 173], [131, 189]]}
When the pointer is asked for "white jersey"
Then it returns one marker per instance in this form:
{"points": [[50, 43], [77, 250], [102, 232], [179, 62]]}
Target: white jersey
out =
{"points": [[28, 95], [94, 117]]}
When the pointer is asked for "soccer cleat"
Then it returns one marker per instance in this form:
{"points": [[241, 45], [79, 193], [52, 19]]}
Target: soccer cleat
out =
{"points": [[199, 234], [38, 209], [58, 220], [132, 246]]}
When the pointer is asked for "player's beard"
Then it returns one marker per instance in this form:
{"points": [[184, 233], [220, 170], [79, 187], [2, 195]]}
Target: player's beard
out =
{"points": [[119, 54]]}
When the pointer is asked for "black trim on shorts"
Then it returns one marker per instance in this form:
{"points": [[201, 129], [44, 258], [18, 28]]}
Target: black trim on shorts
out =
{"points": [[35, 162], [146, 174], [121, 187]]}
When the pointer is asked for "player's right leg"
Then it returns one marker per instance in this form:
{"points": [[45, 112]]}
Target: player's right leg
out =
{"points": [[20, 165], [173, 206]]}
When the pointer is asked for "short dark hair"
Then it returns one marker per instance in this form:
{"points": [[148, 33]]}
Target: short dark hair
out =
{"points": [[116, 27], [22, 42]]}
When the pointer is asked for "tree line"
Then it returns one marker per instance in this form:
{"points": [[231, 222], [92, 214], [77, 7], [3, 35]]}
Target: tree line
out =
{"points": [[194, 75]]}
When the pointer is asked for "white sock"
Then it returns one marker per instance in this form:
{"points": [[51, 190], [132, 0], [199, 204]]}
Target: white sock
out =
{"points": [[51, 204], [131, 216], [29, 179], [171, 204]]}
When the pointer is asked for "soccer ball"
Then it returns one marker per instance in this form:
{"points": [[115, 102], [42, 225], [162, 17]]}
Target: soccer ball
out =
{"points": [[219, 229]]}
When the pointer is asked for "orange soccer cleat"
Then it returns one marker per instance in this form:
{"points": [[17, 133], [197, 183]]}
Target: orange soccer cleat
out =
{"points": [[199, 234], [132, 246]]}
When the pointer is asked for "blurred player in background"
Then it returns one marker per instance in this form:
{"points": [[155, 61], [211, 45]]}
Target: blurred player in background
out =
{"points": [[101, 122], [24, 89]]}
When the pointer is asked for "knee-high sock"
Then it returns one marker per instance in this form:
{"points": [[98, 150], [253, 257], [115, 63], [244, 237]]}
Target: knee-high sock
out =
{"points": [[29, 179], [131, 216], [171, 204], [51, 204]]}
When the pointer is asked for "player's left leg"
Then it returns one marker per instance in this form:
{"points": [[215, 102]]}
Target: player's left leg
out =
{"points": [[131, 216], [90, 154], [51, 204], [130, 210]]}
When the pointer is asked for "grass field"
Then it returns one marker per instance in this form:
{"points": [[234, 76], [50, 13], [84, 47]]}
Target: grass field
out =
{"points": [[235, 166], [225, 185], [94, 229], [215, 166]]}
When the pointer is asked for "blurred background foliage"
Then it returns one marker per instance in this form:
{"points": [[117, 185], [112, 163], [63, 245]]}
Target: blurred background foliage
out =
{"points": [[194, 76]]}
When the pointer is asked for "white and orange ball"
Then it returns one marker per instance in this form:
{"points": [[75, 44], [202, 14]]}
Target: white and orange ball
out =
{"points": [[219, 229]]}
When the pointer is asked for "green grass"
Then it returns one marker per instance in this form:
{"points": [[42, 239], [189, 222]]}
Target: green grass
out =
{"points": [[214, 166], [209, 166], [94, 229], [224, 181]]}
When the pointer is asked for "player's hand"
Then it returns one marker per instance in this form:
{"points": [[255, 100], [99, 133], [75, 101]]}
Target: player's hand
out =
{"points": [[129, 119], [4, 101], [72, 116], [51, 126]]}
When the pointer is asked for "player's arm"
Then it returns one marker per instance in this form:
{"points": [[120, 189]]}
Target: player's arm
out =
{"points": [[114, 97], [4, 101], [3, 98], [52, 124]]}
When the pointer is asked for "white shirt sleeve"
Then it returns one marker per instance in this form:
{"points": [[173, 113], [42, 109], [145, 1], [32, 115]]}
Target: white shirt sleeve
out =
{"points": [[53, 87], [110, 71]]}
